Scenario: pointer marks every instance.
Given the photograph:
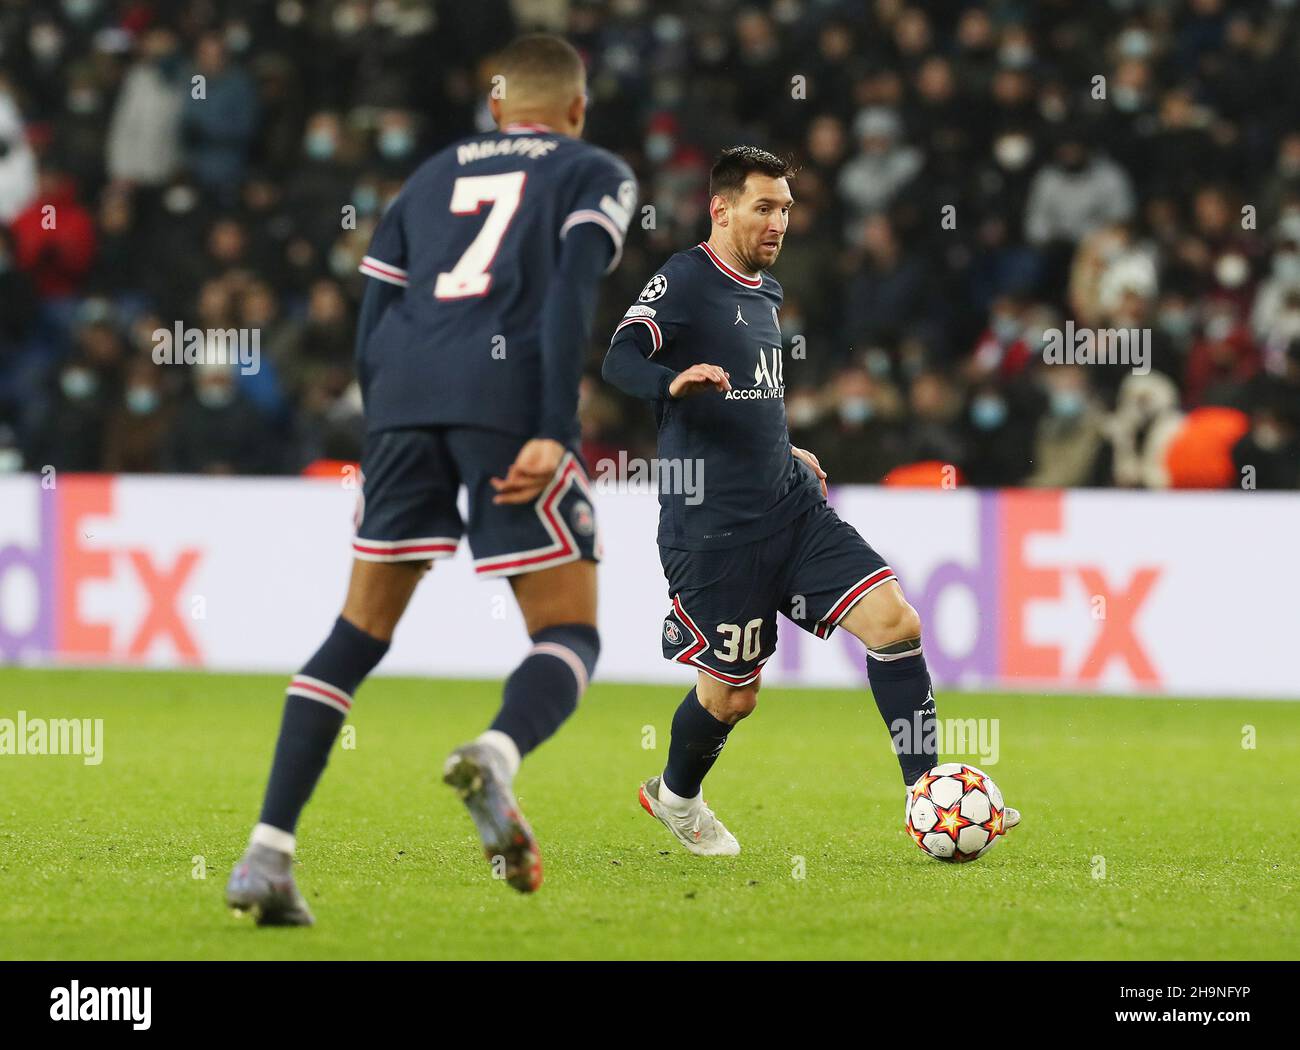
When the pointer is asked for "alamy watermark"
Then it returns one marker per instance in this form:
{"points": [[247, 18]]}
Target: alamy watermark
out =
{"points": [[1098, 346], [75, 1003], [179, 345], [946, 736], [676, 477], [53, 736]]}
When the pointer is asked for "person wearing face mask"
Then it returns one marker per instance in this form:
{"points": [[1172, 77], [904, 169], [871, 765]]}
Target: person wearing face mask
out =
{"points": [[1271, 449], [857, 437], [1221, 362], [1176, 319], [1002, 348], [69, 432], [217, 430], [324, 179], [395, 141], [999, 424], [1273, 313], [138, 423], [1069, 443]]}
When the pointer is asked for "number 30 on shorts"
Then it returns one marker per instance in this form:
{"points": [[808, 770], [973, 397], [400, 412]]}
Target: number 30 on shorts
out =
{"points": [[732, 634]]}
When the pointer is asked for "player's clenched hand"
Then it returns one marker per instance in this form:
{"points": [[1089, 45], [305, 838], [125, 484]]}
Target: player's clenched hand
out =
{"points": [[811, 460], [532, 469], [697, 378]]}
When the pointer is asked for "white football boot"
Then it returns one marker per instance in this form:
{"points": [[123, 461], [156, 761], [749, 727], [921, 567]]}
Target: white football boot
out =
{"points": [[697, 829]]}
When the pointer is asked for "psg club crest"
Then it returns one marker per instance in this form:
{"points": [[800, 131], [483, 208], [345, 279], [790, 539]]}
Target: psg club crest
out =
{"points": [[654, 289], [672, 633], [583, 519]]}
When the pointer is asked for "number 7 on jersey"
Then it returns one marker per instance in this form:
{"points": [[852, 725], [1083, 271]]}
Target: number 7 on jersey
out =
{"points": [[470, 276]]}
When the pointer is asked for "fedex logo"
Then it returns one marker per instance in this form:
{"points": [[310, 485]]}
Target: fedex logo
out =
{"points": [[1005, 583], [45, 582], [1092, 613]]}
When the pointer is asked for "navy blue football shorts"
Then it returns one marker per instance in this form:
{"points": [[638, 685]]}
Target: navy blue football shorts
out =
{"points": [[410, 481], [724, 602]]}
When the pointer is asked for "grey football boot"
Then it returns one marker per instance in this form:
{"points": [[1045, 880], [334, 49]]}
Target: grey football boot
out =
{"points": [[262, 883], [478, 775]]}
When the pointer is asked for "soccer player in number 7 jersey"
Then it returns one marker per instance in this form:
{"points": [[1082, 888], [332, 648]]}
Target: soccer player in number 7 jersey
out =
{"points": [[481, 285], [703, 343]]}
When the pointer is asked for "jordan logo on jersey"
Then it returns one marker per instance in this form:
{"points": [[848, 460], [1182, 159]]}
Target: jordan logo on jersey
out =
{"points": [[740, 318]]}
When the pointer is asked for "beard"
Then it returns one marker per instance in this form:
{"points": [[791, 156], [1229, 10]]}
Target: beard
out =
{"points": [[753, 259]]}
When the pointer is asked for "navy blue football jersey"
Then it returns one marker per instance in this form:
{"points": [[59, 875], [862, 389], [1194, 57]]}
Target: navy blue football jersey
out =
{"points": [[473, 239], [734, 444]]}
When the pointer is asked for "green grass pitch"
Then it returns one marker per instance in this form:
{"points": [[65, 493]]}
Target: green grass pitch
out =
{"points": [[1199, 834]]}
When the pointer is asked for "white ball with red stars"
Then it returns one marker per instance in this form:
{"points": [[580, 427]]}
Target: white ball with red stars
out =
{"points": [[955, 813]]}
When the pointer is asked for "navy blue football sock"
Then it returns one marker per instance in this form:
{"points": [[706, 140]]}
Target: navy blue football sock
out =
{"points": [[696, 744], [319, 699], [901, 685], [544, 690]]}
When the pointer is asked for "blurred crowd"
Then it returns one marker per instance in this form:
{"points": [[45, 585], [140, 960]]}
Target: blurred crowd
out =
{"points": [[973, 177]]}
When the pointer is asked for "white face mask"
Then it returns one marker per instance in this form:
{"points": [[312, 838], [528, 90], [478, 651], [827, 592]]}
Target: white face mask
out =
{"points": [[1267, 436], [1231, 270], [1286, 266], [1127, 99], [78, 383], [1135, 43], [801, 413], [1013, 151], [215, 395], [141, 400]]}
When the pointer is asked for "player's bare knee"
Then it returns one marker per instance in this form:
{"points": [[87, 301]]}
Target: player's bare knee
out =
{"points": [[884, 618], [375, 623], [728, 703], [902, 623], [555, 597], [736, 704], [378, 594]]}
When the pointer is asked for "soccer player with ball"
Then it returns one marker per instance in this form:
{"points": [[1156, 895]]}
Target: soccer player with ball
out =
{"points": [[703, 343]]}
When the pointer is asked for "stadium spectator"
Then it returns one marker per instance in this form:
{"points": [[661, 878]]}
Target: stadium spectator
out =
{"points": [[884, 166], [139, 421], [144, 133], [54, 238], [1075, 193], [218, 120], [1170, 205], [860, 431], [1070, 443], [217, 430], [17, 161]]}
